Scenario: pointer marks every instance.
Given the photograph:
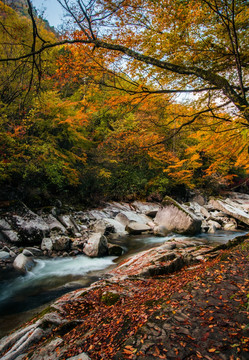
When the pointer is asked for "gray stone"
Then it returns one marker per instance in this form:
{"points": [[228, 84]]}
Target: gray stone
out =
{"points": [[123, 219], [31, 228], [177, 219], [96, 246], [54, 224], [47, 351], [34, 251], [82, 356], [11, 236], [61, 243], [4, 225], [69, 223], [160, 231], [135, 228], [103, 227], [27, 253], [231, 210], [115, 250], [23, 263], [4, 255], [47, 244]]}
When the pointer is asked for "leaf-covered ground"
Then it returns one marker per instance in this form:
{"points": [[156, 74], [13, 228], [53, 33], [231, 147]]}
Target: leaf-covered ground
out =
{"points": [[197, 313]]}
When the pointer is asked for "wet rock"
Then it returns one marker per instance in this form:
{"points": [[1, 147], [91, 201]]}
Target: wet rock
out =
{"points": [[96, 246], [160, 231], [177, 219], [115, 250], [135, 228], [23, 263], [4, 255]]}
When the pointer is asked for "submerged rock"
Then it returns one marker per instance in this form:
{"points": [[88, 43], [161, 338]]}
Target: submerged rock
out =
{"points": [[23, 263]]}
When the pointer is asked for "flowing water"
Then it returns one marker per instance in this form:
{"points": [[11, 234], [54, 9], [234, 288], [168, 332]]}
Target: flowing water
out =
{"points": [[24, 296]]}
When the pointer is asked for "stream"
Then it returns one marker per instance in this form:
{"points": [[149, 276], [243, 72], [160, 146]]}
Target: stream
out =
{"points": [[23, 297]]}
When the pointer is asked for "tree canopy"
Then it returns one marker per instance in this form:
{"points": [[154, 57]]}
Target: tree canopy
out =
{"points": [[146, 95]]}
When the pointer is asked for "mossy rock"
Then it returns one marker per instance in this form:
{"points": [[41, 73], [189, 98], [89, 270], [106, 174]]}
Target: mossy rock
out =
{"points": [[110, 298]]}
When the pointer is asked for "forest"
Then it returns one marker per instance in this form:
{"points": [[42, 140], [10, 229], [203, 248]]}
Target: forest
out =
{"points": [[130, 100]]}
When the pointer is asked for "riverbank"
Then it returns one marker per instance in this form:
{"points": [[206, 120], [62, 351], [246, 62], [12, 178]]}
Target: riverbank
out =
{"points": [[198, 312]]}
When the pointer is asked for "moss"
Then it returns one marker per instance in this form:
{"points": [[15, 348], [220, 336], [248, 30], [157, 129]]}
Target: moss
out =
{"points": [[169, 201], [110, 298]]}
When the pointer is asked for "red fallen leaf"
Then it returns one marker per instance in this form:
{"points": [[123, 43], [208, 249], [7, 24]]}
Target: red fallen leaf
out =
{"points": [[212, 350]]}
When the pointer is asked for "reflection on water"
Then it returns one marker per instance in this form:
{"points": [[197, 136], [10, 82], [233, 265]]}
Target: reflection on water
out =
{"points": [[22, 297]]}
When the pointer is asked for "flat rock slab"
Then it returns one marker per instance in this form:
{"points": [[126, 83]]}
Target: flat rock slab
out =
{"points": [[230, 210], [135, 228]]}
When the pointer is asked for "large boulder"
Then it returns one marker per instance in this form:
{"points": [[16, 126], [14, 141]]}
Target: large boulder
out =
{"points": [[231, 210], [70, 224], [23, 263], [96, 246], [176, 218], [26, 226], [54, 224]]}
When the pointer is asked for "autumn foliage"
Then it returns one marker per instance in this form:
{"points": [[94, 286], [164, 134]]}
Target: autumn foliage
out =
{"points": [[97, 125]]}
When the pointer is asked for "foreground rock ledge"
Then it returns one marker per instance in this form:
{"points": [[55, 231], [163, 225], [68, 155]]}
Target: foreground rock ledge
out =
{"points": [[49, 336]]}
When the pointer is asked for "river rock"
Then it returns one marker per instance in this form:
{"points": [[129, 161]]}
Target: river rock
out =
{"points": [[177, 219], [23, 263], [147, 208], [34, 251], [61, 243], [11, 236], [54, 224], [30, 227], [69, 223], [115, 250], [231, 210], [160, 231], [47, 244], [122, 219], [4, 255], [27, 253], [230, 225], [104, 227], [96, 246], [135, 228]]}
